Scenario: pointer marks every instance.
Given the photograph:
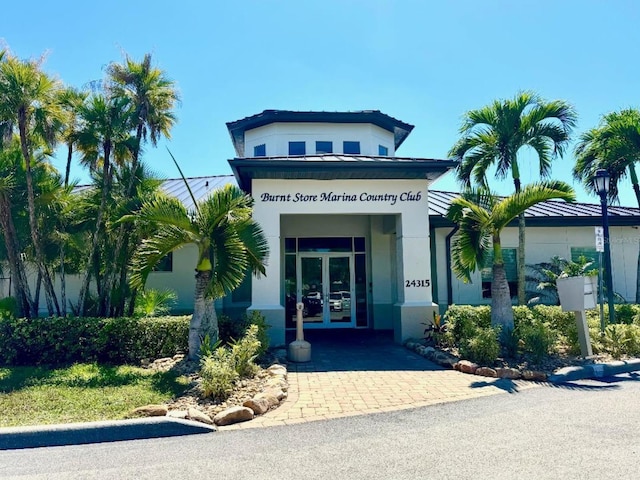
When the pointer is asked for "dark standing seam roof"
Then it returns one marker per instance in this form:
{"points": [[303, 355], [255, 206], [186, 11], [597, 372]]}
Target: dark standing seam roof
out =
{"points": [[551, 213], [400, 130]]}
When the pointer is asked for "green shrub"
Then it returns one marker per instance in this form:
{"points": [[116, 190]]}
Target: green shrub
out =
{"points": [[562, 323], [218, 374], [483, 348], [537, 338], [464, 320], [64, 340], [510, 341], [626, 313], [8, 307], [230, 329], [245, 351], [256, 318], [154, 303]]}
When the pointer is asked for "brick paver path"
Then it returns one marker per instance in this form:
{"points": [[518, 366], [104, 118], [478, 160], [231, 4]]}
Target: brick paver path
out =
{"points": [[361, 373]]}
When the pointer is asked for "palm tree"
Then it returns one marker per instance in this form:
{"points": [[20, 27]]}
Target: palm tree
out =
{"points": [[228, 240], [494, 136], [29, 100], [152, 98], [614, 146], [71, 101], [481, 217], [103, 138]]}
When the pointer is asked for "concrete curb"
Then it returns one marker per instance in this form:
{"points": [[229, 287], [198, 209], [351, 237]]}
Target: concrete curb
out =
{"points": [[97, 432], [597, 370]]}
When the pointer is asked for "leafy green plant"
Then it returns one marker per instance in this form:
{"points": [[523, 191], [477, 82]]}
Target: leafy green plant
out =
{"points": [[218, 374], [615, 340], [537, 338], [244, 352], [256, 318], [8, 307], [208, 346], [154, 303], [483, 348]]}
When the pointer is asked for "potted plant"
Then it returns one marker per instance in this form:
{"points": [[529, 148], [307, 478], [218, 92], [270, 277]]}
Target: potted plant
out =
{"points": [[577, 285]]}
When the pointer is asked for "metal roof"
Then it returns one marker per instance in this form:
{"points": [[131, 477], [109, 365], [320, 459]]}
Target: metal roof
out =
{"points": [[335, 166], [551, 213], [400, 130]]}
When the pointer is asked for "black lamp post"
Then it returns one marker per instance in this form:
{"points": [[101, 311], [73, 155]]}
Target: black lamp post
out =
{"points": [[602, 188]]}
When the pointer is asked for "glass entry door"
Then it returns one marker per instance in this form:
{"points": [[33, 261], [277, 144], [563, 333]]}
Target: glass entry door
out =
{"points": [[325, 287]]}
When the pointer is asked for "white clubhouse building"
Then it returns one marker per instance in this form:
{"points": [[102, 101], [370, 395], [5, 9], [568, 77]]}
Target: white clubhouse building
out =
{"points": [[356, 233]]}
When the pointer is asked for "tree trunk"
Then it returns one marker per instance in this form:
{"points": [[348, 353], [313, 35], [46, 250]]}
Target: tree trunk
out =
{"points": [[522, 294], [501, 309], [106, 183], [35, 231], [20, 284], [204, 320], [636, 190]]}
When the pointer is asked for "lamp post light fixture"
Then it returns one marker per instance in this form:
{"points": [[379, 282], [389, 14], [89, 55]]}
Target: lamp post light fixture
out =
{"points": [[601, 181]]}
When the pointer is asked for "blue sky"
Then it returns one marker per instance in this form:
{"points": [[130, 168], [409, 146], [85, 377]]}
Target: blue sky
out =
{"points": [[423, 62]]}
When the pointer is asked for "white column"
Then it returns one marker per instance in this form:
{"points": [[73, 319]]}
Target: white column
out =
{"points": [[265, 290], [415, 307]]}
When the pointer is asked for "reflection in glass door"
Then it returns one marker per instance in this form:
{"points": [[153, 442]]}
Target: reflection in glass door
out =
{"points": [[325, 287]]}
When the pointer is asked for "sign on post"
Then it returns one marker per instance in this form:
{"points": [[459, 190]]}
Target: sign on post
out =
{"points": [[599, 239]]}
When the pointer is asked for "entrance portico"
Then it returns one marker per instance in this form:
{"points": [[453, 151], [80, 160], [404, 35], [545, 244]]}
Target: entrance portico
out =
{"points": [[348, 235]]}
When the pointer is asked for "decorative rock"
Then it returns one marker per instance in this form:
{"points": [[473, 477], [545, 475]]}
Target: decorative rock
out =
{"points": [[276, 370], [233, 415], [258, 405], [177, 414], [178, 356], [151, 411], [198, 416], [534, 376], [429, 350], [465, 366], [411, 345], [269, 396], [509, 373], [486, 372]]}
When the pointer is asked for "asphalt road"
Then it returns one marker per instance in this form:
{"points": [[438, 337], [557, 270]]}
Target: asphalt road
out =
{"points": [[588, 430]]}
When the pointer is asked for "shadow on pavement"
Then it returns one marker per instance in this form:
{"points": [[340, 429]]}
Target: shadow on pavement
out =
{"points": [[97, 432], [505, 384]]}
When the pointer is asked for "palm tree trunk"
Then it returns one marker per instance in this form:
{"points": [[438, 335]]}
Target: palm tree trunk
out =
{"points": [[95, 239], [20, 284], [501, 309], [522, 296], [35, 232], [204, 320]]}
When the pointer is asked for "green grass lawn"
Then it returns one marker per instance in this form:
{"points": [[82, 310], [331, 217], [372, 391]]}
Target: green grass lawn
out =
{"points": [[80, 393]]}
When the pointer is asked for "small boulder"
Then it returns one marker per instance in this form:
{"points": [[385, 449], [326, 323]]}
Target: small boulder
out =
{"points": [[151, 411], [177, 414], [258, 405], [198, 416], [233, 415], [486, 372], [509, 373], [268, 396], [277, 369], [534, 376], [466, 366]]}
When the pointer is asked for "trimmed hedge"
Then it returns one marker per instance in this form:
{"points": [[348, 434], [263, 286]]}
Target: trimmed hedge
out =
{"points": [[64, 340]]}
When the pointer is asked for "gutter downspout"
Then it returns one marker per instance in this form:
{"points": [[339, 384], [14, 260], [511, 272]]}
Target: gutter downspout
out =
{"points": [[447, 243]]}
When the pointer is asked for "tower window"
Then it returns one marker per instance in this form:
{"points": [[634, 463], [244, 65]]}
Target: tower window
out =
{"points": [[260, 150], [352, 148], [297, 148]]}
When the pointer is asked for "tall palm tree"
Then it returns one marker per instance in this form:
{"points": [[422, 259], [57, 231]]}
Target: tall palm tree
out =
{"points": [[30, 99], [228, 240], [481, 216], [103, 138], [615, 146], [71, 101], [152, 97], [494, 136]]}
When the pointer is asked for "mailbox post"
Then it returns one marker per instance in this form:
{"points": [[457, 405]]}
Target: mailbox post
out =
{"points": [[578, 294]]}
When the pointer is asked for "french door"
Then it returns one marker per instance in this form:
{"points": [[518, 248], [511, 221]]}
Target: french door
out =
{"points": [[325, 287]]}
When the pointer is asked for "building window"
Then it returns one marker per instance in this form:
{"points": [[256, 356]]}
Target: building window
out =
{"points": [[589, 253], [351, 148], [324, 147], [510, 256], [297, 148], [260, 150], [383, 151], [165, 264]]}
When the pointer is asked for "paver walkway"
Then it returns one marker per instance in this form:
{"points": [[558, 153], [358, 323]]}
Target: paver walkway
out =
{"points": [[355, 373]]}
